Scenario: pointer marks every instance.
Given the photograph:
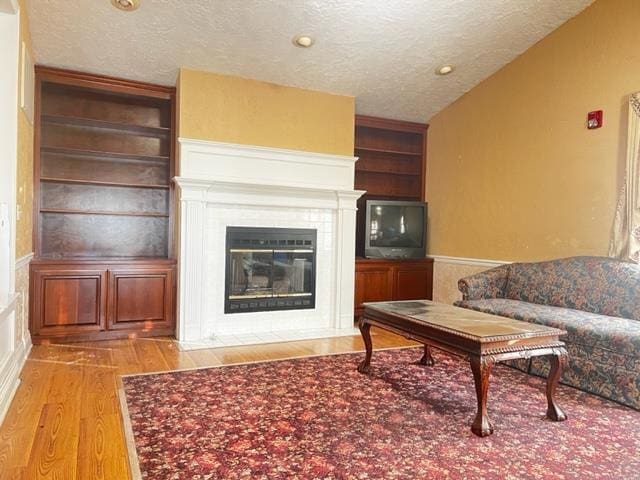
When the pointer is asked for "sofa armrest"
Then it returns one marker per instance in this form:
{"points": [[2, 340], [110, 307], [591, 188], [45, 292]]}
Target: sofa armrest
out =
{"points": [[489, 284]]}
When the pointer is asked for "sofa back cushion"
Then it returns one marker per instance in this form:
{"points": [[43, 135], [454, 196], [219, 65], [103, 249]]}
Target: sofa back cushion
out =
{"points": [[593, 284]]}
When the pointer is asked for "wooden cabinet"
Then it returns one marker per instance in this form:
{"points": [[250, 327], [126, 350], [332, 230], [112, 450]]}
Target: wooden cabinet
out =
{"points": [[80, 301], [413, 280], [68, 302], [103, 207], [374, 282], [140, 299], [380, 280]]}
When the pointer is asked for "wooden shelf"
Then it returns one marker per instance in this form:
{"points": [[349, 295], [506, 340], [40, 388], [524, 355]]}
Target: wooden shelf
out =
{"points": [[101, 183], [129, 129], [158, 159], [392, 152], [62, 260], [102, 212]]}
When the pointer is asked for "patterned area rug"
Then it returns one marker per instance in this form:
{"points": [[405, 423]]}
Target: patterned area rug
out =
{"points": [[317, 418]]}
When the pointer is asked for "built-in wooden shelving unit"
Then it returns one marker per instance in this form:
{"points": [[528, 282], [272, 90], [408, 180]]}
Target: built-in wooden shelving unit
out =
{"points": [[103, 207], [391, 165]]}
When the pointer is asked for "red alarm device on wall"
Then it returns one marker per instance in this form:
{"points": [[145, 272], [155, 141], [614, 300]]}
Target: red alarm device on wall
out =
{"points": [[594, 119]]}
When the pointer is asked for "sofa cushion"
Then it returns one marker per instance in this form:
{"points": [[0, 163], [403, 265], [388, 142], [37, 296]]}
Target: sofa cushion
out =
{"points": [[615, 334], [593, 284]]}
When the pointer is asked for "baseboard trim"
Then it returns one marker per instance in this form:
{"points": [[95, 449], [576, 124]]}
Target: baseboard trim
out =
{"points": [[24, 260], [10, 375], [479, 262]]}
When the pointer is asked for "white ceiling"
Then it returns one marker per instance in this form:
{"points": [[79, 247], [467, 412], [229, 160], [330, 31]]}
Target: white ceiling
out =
{"points": [[383, 52]]}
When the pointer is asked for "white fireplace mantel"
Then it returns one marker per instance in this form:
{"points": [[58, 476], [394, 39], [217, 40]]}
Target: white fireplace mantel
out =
{"points": [[255, 165], [224, 185]]}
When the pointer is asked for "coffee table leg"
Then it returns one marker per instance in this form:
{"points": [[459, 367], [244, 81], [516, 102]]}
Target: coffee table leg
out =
{"points": [[427, 358], [481, 368], [365, 328], [558, 362]]}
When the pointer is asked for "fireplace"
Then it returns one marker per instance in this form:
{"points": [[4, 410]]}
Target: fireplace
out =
{"points": [[223, 187], [269, 269]]}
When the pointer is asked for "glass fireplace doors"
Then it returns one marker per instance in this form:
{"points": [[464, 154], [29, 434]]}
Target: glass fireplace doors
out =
{"points": [[269, 269]]}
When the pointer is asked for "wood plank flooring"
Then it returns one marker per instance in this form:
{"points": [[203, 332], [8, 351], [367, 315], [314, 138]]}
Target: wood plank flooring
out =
{"points": [[65, 421]]}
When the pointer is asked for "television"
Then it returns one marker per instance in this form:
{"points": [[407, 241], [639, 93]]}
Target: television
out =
{"points": [[395, 229]]}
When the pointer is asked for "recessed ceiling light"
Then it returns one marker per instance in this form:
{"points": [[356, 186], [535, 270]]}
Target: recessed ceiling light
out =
{"points": [[126, 5], [444, 70], [302, 41]]}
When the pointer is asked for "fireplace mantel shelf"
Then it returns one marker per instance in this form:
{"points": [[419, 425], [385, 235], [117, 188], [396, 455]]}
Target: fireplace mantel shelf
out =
{"points": [[215, 191]]}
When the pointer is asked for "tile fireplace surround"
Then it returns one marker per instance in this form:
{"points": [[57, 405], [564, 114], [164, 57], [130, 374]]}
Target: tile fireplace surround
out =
{"points": [[223, 185]]}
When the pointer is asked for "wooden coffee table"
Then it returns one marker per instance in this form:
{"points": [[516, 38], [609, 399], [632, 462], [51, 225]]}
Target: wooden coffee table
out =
{"points": [[482, 338]]}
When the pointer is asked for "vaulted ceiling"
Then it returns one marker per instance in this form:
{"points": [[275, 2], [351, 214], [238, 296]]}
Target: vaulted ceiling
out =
{"points": [[383, 52]]}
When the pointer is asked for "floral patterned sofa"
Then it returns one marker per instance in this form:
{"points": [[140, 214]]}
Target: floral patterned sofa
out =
{"points": [[595, 299]]}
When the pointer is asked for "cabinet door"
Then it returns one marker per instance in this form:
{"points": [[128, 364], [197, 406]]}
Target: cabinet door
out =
{"points": [[68, 301], [372, 285], [141, 299], [413, 282]]}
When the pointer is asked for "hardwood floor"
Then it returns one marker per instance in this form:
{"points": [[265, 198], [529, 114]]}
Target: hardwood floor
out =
{"points": [[65, 422]]}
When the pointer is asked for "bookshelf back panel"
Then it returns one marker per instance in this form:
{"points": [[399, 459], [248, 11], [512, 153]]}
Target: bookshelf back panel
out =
{"points": [[394, 140], [384, 185], [386, 163], [95, 139], [79, 102], [103, 170], [76, 235], [55, 195]]}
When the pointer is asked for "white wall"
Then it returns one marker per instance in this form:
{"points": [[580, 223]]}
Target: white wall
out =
{"points": [[12, 352], [9, 39]]}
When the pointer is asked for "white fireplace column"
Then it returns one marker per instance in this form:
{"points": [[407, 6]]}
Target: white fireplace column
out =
{"points": [[223, 185], [191, 261], [345, 258]]}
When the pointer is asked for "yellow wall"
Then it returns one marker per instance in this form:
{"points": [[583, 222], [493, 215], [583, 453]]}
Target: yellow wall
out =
{"points": [[25, 157], [237, 110], [513, 172]]}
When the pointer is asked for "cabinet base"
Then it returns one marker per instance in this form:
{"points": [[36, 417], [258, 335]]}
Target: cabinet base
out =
{"points": [[380, 280], [101, 299], [99, 336]]}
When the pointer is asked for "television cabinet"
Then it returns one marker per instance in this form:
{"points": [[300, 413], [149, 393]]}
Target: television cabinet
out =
{"points": [[379, 279]]}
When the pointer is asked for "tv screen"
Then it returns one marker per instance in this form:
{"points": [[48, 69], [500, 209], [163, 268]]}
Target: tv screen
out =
{"points": [[395, 228]]}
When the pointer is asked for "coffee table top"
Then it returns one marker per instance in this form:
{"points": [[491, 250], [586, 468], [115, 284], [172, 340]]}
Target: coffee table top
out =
{"points": [[462, 321]]}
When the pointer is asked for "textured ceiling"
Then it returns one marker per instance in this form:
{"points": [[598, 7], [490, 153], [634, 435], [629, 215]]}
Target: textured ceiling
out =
{"points": [[383, 52]]}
